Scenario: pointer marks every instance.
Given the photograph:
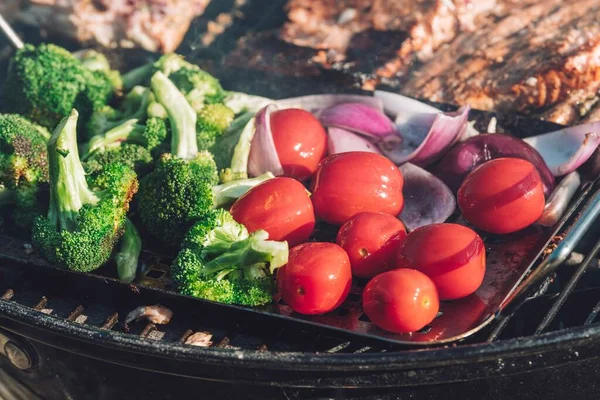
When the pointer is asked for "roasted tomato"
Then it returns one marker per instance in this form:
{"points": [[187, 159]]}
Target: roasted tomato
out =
{"points": [[300, 141], [347, 184], [452, 255], [371, 241], [401, 301], [280, 206], [316, 279], [502, 196]]}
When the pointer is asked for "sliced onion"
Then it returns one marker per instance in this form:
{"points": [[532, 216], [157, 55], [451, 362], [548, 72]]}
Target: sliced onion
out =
{"points": [[423, 138], [342, 141], [403, 107], [315, 103], [566, 149], [263, 155], [357, 117], [427, 200], [466, 156], [559, 199]]}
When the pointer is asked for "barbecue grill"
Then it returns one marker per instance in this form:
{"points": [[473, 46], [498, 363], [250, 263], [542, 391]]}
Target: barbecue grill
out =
{"points": [[62, 334]]}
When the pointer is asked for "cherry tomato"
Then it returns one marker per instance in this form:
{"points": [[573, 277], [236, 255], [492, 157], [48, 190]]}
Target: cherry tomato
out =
{"points": [[401, 301], [347, 184], [452, 255], [316, 279], [280, 206], [300, 141], [502, 196], [371, 241]]}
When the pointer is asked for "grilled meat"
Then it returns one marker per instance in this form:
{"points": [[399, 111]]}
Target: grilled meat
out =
{"points": [[378, 39], [156, 314], [527, 56], [155, 25]]}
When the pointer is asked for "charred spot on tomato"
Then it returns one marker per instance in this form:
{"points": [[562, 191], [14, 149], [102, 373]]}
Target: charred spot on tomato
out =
{"points": [[363, 252], [300, 291]]}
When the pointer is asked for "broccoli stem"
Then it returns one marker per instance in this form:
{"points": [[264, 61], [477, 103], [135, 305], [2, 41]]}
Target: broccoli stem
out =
{"points": [[129, 252], [249, 255], [129, 131], [137, 76], [229, 192], [182, 116], [69, 190]]}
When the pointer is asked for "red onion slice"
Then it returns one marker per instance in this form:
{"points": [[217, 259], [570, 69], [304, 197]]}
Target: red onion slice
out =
{"points": [[315, 103], [342, 141], [263, 155], [424, 137], [566, 149], [559, 199], [427, 200], [465, 156], [359, 118]]}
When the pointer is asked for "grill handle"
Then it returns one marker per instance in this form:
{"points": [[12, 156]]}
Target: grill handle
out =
{"points": [[532, 282], [10, 34]]}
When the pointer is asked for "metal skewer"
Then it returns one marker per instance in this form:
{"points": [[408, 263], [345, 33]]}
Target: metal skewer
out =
{"points": [[10, 34]]}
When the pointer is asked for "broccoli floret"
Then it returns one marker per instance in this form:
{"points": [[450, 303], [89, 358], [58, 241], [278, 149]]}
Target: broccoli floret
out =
{"points": [[45, 82], [150, 135], [198, 86], [134, 156], [232, 148], [84, 220], [211, 122], [96, 61], [23, 170], [133, 106], [220, 261], [180, 189], [129, 252]]}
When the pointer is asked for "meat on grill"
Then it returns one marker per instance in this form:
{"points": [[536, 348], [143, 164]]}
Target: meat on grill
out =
{"points": [[378, 38], [529, 56], [155, 25]]}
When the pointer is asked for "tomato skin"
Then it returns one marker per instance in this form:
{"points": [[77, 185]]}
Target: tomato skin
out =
{"points": [[401, 301], [502, 196], [280, 206], [371, 241], [452, 255], [300, 141], [316, 279], [347, 184]]}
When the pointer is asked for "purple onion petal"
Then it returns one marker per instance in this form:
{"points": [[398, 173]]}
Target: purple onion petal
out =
{"points": [[263, 155], [566, 149], [317, 102], [342, 141], [466, 156], [559, 199], [424, 137], [427, 200], [359, 118]]}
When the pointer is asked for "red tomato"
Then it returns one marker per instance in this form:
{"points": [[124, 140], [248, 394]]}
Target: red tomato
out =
{"points": [[280, 206], [502, 196], [300, 141], [401, 301], [452, 255], [347, 184], [316, 279], [371, 241]]}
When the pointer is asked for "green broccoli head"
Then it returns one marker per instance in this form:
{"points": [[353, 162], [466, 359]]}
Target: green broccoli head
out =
{"points": [[96, 61], [134, 156], [46, 82], [212, 121], [84, 220], [220, 261], [23, 156], [198, 86]]}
